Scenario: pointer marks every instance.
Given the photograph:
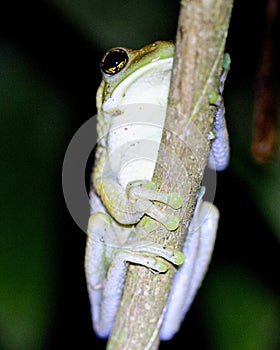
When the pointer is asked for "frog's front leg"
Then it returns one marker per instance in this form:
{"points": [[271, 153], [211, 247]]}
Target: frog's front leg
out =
{"points": [[106, 266], [128, 205], [197, 251]]}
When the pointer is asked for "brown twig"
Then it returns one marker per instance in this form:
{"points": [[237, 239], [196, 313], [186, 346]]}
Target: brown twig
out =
{"points": [[264, 142], [184, 150]]}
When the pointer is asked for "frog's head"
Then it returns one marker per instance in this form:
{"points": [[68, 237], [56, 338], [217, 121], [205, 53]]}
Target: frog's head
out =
{"points": [[133, 76]]}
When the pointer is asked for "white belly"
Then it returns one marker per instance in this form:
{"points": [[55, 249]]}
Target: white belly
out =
{"points": [[134, 141]]}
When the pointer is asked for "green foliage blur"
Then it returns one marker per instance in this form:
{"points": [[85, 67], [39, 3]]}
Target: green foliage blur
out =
{"points": [[49, 64]]}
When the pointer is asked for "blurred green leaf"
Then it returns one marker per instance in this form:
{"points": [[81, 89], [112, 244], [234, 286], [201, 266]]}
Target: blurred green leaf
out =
{"points": [[30, 114], [262, 181], [244, 314], [125, 23]]}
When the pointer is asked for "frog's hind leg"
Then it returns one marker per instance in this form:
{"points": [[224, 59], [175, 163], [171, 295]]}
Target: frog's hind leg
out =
{"points": [[106, 263], [197, 250], [220, 150]]}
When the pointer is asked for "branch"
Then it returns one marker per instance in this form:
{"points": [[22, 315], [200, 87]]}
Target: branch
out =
{"points": [[184, 151]]}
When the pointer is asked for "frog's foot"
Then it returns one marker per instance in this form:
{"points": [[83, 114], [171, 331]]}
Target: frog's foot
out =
{"points": [[154, 256], [143, 192]]}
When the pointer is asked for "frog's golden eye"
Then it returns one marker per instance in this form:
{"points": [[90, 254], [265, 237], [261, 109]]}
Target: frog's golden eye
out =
{"points": [[113, 61]]}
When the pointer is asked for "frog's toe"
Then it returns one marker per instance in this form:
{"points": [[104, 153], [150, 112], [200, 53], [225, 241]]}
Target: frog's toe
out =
{"points": [[171, 223], [175, 200], [160, 266], [178, 258]]}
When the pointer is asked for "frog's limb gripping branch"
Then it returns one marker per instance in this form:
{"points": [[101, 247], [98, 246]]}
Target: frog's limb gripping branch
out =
{"points": [[109, 289], [136, 201], [201, 36]]}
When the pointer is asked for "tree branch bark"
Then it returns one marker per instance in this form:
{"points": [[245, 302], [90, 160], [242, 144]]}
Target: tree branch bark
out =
{"points": [[184, 151]]}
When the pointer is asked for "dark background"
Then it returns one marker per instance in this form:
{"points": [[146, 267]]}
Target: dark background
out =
{"points": [[49, 66]]}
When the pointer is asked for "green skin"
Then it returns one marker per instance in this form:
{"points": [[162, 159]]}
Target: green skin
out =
{"points": [[121, 196]]}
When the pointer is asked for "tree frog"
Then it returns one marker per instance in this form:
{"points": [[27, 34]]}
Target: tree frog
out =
{"points": [[131, 103]]}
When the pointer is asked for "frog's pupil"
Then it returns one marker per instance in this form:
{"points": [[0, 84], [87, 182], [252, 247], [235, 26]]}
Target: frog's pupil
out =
{"points": [[114, 61]]}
